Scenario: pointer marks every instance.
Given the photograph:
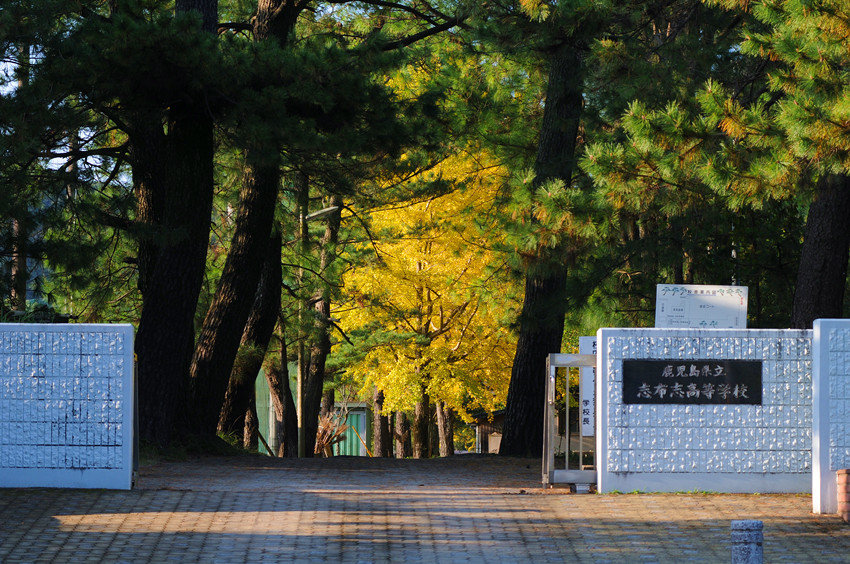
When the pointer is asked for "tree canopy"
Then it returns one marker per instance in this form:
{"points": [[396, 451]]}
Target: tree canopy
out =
{"points": [[419, 198]]}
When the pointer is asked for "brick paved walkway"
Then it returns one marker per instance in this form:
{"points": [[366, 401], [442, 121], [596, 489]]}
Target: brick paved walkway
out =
{"points": [[466, 509]]}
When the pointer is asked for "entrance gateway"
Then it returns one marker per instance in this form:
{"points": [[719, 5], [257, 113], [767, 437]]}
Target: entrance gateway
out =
{"points": [[580, 474], [723, 410]]}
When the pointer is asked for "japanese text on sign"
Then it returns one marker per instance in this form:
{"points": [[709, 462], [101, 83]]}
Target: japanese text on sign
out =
{"points": [[698, 306], [692, 381], [587, 388]]}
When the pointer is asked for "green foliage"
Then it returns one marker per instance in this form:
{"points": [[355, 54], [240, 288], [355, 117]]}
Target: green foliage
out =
{"points": [[691, 198], [415, 313], [464, 437], [703, 127]]}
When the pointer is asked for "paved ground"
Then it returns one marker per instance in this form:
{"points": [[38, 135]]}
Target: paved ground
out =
{"points": [[466, 509]]}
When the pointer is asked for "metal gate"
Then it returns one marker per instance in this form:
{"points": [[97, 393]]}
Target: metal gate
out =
{"points": [[582, 475]]}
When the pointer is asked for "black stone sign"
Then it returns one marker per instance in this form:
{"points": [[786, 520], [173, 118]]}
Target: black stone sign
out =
{"points": [[692, 382]]}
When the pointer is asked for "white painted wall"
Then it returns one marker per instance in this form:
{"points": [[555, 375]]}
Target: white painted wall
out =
{"points": [[831, 439], [66, 405], [724, 448]]}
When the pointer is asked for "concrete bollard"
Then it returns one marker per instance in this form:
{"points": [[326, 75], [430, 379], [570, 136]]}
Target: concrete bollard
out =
{"points": [[747, 540], [842, 478]]}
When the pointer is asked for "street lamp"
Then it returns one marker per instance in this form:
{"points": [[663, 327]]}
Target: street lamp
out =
{"points": [[299, 408], [322, 213]]}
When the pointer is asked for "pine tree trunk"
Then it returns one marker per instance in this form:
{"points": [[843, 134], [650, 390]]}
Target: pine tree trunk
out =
{"points": [[523, 428], [822, 273], [20, 235], [284, 406], [239, 395], [20, 272], [225, 321], [208, 10], [382, 446], [255, 340], [433, 432], [544, 304], [313, 385], [320, 346], [420, 426], [401, 430], [327, 407], [147, 153], [165, 337], [220, 335], [445, 426]]}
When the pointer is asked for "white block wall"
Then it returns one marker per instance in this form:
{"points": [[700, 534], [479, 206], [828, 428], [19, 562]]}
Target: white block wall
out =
{"points": [[66, 405], [724, 448], [831, 441]]}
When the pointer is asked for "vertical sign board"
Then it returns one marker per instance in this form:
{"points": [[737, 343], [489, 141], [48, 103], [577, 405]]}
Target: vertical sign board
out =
{"points": [[587, 389], [701, 306]]}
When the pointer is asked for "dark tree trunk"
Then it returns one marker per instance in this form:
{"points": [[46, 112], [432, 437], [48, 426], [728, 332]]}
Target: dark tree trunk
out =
{"points": [[20, 272], [327, 407], [822, 274], [314, 383], [147, 151], [401, 431], [255, 341], [445, 427], [421, 414], [284, 407], [380, 427], [276, 18], [164, 341], [218, 342], [524, 411], [320, 345], [166, 329], [433, 432], [544, 305], [20, 233], [207, 9], [225, 321], [312, 388], [277, 375], [240, 394]]}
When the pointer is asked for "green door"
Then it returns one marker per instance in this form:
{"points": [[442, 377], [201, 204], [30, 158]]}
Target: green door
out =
{"points": [[261, 391], [358, 422]]}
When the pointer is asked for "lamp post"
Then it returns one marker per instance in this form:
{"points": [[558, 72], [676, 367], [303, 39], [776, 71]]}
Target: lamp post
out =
{"points": [[304, 219]]}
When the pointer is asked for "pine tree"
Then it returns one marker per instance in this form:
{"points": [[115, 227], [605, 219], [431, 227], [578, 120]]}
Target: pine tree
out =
{"points": [[805, 114], [761, 135], [651, 160], [554, 38]]}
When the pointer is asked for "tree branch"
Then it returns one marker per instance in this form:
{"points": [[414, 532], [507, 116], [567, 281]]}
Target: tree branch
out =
{"points": [[83, 153], [234, 26], [394, 5], [411, 39]]}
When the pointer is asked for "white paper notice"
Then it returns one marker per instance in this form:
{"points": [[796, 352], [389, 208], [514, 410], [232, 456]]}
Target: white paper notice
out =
{"points": [[701, 307]]}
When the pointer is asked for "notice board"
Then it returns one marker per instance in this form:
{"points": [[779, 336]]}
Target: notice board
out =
{"points": [[684, 306]]}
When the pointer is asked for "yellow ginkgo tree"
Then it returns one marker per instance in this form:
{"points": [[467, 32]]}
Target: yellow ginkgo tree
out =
{"points": [[427, 312]]}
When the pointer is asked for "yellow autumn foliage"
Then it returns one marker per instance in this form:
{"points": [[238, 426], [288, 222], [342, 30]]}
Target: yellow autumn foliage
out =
{"points": [[432, 297]]}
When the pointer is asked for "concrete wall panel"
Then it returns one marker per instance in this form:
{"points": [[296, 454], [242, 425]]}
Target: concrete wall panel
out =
{"points": [[66, 405], [726, 448]]}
